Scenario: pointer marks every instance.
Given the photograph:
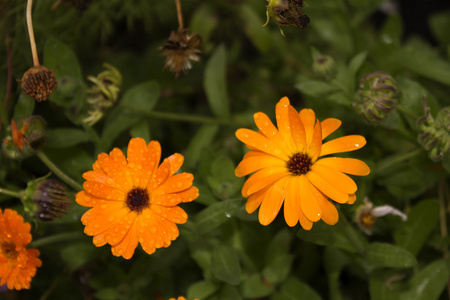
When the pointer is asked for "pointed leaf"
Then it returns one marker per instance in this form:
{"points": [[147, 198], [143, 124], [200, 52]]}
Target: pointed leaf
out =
{"points": [[225, 264], [385, 255]]}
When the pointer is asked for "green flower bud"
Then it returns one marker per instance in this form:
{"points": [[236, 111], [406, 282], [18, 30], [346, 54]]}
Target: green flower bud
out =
{"points": [[323, 65], [378, 96], [434, 134], [287, 13], [103, 94], [22, 143], [46, 199]]}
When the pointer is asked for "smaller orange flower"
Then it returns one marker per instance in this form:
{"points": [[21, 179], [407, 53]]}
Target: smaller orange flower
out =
{"points": [[17, 264], [134, 200], [180, 298]]}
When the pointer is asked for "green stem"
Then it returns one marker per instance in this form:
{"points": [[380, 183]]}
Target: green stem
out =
{"points": [[343, 89], [56, 238], [397, 159], [75, 185], [10, 193], [407, 111], [180, 117]]}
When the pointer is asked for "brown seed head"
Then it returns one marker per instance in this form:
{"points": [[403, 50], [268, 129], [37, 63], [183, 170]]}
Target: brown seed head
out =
{"points": [[38, 83]]}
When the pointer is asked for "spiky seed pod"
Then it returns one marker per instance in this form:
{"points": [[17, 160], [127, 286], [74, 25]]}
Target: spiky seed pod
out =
{"points": [[378, 96], [287, 13], [39, 82]]}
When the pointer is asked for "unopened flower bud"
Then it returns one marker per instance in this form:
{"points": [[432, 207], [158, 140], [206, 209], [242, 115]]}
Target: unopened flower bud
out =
{"points": [[23, 142], [323, 65], [434, 134], [378, 96], [287, 13], [103, 94], [38, 83], [46, 199], [180, 49]]}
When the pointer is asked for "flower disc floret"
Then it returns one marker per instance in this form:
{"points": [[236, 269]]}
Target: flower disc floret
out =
{"points": [[135, 200], [289, 168]]}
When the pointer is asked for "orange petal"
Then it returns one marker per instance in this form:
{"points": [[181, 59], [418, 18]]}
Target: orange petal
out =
{"points": [[316, 142], [99, 220], [329, 212], [127, 246], [306, 224], [176, 161], [297, 130], [174, 214], [291, 202], [159, 176], [173, 199], [326, 188], [329, 126], [103, 191], [351, 199], [116, 169], [103, 178], [343, 144], [260, 142], [345, 165], [84, 199], [267, 128], [263, 178], [155, 231], [256, 162], [116, 233], [282, 115], [308, 118], [141, 162], [337, 179], [255, 199], [272, 201], [308, 201], [175, 184]]}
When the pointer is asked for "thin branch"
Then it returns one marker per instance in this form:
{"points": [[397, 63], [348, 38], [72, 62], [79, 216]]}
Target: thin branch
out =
{"points": [[31, 33], [179, 14]]}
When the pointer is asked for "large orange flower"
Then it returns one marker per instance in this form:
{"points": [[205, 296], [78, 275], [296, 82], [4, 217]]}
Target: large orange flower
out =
{"points": [[288, 169], [17, 264], [135, 200]]}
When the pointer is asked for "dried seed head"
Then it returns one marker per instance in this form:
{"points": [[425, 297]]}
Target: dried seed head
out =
{"points": [[38, 83], [287, 13], [181, 48]]}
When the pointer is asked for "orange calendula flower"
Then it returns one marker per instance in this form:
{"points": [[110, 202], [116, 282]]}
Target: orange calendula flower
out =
{"points": [[17, 264], [135, 200], [179, 298], [289, 167]]}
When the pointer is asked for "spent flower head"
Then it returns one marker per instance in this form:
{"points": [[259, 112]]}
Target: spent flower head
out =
{"points": [[289, 167], [287, 13], [39, 82], [24, 141], [180, 49], [46, 199], [378, 96], [134, 199], [17, 263]]}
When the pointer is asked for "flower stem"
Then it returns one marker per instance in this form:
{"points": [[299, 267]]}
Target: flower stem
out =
{"points": [[31, 33], [179, 14], [10, 193], [407, 111], [385, 164], [63, 176], [56, 238]]}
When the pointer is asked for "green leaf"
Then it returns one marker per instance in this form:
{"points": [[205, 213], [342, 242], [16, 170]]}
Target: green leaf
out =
{"points": [[422, 220], [294, 289], [225, 264], [142, 130], [131, 109], [216, 214], [222, 180], [315, 88], [254, 287], [61, 59], [382, 283], [439, 23], [215, 83], [418, 56], [203, 21], [429, 283], [66, 137], [228, 292], [23, 108], [106, 294], [76, 255], [260, 37], [325, 235], [201, 289], [202, 139], [356, 63], [386, 255], [278, 268]]}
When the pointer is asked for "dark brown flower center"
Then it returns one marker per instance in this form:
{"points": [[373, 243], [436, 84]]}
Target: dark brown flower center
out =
{"points": [[8, 250], [137, 199], [299, 164]]}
